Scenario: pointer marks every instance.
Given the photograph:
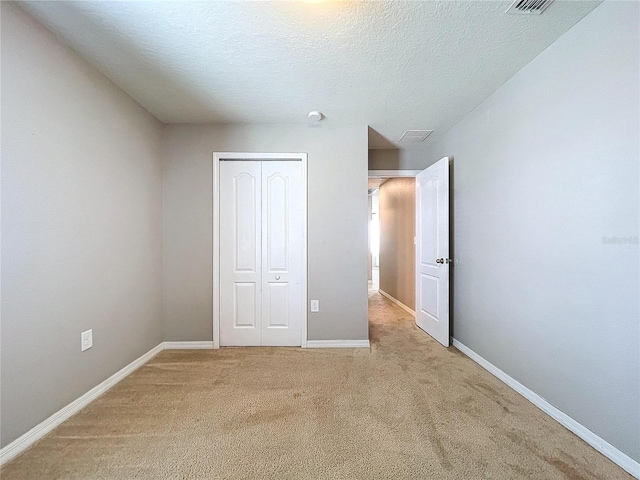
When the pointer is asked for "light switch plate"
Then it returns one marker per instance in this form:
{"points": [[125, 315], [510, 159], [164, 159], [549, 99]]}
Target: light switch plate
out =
{"points": [[315, 306]]}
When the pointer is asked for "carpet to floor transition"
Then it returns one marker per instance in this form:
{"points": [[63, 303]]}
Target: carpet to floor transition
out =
{"points": [[406, 408]]}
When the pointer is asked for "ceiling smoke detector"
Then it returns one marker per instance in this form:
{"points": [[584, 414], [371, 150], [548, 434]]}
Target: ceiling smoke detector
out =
{"points": [[315, 116], [415, 136], [528, 7]]}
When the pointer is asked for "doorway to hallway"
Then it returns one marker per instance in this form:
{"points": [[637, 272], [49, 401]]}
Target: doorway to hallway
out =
{"points": [[413, 243], [391, 233], [374, 234]]}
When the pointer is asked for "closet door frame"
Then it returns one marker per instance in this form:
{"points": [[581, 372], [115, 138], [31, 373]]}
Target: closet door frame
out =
{"points": [[264, 157]]}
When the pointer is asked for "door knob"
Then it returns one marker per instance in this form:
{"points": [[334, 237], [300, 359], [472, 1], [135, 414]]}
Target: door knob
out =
{"points": [[277, 277], [444, 260], [439, 260]]}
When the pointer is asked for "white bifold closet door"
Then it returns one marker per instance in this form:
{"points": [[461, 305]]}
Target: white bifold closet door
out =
{"points": [[261, 253]]}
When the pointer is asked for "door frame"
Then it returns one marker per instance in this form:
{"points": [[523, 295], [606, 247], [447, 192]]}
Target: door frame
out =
{"points": [[393, 173], [386, 174], [241, 156], [412, 173]]}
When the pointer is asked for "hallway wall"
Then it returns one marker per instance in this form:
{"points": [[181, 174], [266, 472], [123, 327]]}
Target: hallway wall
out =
{"points": [[397, 230]]}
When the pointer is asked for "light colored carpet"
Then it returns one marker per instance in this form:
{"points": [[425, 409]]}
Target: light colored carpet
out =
{"points": [[407, 408]]}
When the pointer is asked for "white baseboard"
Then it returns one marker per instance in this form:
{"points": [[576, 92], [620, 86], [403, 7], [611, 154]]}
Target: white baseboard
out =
{"points": [[36, 433], [397, 302], [187, 345], [338, 344], [601, 445]]}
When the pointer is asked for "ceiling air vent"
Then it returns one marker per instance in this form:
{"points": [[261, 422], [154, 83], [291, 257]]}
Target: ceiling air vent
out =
{"points": [[528, 7], [415, 136]]}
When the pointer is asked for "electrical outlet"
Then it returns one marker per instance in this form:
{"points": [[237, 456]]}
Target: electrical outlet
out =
{"points": [[86, 340], [315, 306]]}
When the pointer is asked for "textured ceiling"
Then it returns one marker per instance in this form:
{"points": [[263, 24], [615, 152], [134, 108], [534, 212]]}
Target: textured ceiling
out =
{"points": [[388, 64]]}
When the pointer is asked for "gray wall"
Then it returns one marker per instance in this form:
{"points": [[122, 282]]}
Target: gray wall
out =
{"points": [[544, 170], [392, 159], [397, 230], [81, 225], [337, 223]]}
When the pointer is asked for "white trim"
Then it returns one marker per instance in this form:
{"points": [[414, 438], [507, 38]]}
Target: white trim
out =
{"points": [[338, 344], [393, 173], [253, 156], [187, 345], [397, 302], [217, 156], [305, 225], [43, 428], [216, 252], [601, 445]]}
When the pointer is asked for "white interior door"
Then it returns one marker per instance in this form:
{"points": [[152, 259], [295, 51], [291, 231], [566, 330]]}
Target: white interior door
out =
{"points": [[261, 253], [240, 253], [432, 251], [282, 233]]}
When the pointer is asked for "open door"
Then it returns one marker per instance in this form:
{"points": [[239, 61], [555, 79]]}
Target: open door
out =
{"points": [[432, 251]]}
